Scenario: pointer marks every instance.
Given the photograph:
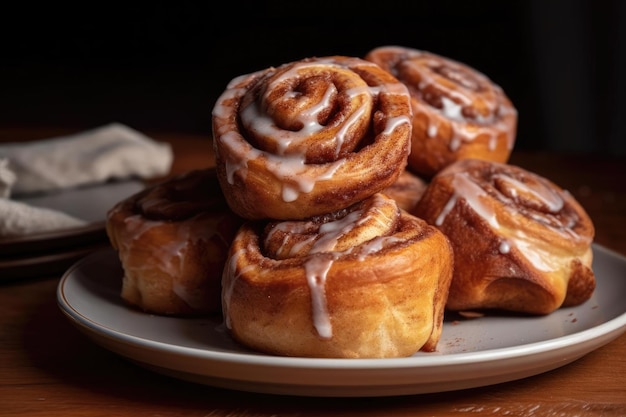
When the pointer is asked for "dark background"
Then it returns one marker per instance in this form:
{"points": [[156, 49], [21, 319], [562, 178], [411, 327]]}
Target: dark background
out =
{"points": [[161, 67]]}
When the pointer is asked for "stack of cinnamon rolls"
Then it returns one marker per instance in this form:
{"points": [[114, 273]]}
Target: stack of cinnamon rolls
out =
{"points": [[352, 203]]}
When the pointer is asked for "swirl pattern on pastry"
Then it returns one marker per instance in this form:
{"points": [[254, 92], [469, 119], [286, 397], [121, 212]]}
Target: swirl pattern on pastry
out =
{"points": [[366, 281], [521, 243], [458, 112], [310, 137], [172, 240]]}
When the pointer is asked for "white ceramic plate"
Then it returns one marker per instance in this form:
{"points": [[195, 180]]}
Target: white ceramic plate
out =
{"points": [[472, 352], [54, 251], [87, 203]]}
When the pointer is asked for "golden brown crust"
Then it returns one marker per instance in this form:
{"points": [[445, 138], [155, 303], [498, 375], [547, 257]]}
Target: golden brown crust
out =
{"points": [[581, 284], [521, 243], [369, 281], [458, 112], [407, 190], [172, 239], [310, 137]]}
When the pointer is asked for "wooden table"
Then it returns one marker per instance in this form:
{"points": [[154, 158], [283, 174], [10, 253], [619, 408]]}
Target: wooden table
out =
{"points": [[49, 368]]}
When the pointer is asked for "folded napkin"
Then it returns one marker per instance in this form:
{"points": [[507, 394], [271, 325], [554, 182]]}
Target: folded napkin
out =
{"points": [[110, 152], [7, 178], [113, 151], [20, 219]]}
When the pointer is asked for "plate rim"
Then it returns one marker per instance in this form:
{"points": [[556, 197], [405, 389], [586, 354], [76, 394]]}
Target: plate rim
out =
{"points": [[593, 338], [53, 234]]}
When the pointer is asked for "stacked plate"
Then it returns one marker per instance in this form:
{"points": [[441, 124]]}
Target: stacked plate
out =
{"points": [[51, 253]]}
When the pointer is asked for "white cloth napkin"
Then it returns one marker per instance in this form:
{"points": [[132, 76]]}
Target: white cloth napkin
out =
{"points": [[20, 219], [7, 178], [113, 151], [110, 152]]}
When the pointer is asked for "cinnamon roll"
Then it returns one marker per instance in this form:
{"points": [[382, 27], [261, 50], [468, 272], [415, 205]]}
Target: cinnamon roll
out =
{"points": [[172, 240], [367, 281], [458, 112], [310, 137], [521, 243]]}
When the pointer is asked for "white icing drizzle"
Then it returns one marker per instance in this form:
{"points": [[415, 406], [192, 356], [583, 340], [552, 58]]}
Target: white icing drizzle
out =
{"points": [[446, 210], [331, 232], [550, 199], [316, 269], [452, 110], [169, 257], [454, 97], [323, 252], [352, 120], [295, 175], [290, 228], [376, 245], [475, 196], [431, 132], [455, 143], [136, 226], [234, 161], [393, 122]]}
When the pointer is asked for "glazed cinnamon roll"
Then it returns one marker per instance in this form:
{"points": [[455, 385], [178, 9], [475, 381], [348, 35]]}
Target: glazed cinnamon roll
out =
{"points": [[310, 137], [458, 112], [521, 243], [367, 281], [172, 240]]}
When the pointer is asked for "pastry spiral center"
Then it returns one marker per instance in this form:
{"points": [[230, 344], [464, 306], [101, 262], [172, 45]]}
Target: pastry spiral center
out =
{"points": [[336, 232], [462, 78], [308, 103], [506, 193], [529, 192], [319, 112]]}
